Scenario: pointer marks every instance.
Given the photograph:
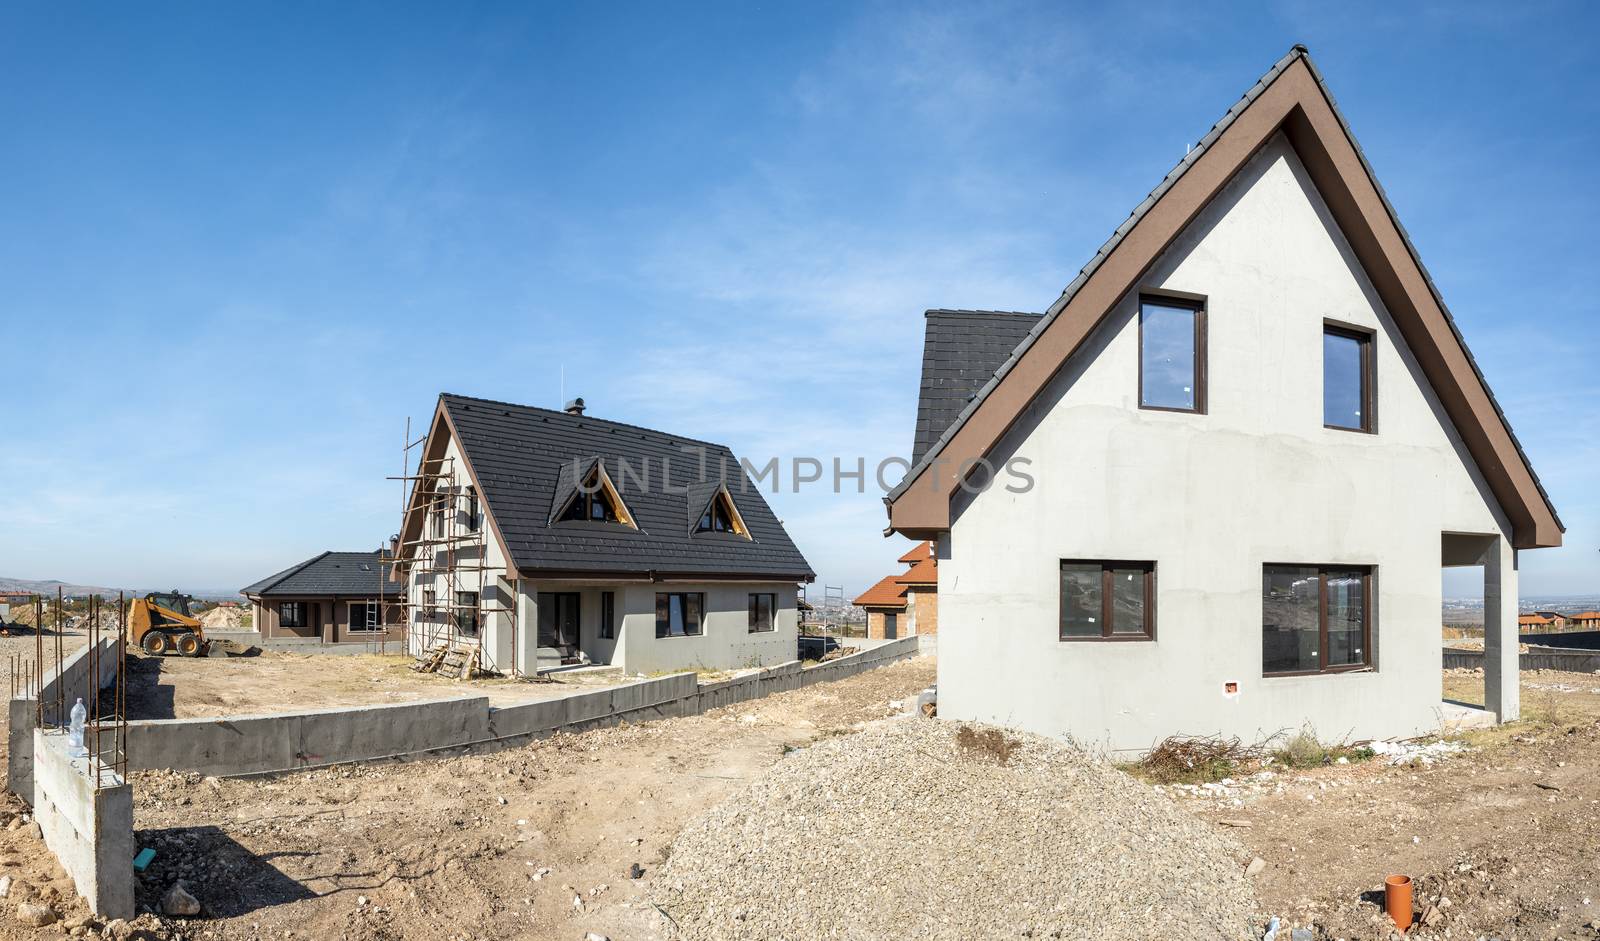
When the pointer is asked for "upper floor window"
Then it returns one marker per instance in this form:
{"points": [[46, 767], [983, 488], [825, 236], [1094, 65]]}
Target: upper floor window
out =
{"points": [[1347, 390], [596, 501], [1172, 354], [721, 516], [472, 509]]}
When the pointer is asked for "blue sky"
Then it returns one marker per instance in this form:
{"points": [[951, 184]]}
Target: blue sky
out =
{"points": [[244, 242]]}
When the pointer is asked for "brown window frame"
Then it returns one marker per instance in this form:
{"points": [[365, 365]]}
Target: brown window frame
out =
{"points": [[1106, 635], [700, 619], [608, 615], [472, 510], [1198, 306], [772, 612], [1369, 578], [1369, 374], [468, 623], [299, 619]]}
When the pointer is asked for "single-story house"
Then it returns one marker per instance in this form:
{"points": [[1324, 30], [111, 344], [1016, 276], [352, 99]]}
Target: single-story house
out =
{"points": [[339, 597], [1212, 487], [1533, 623], [906, 604], [1584, 621], [545, 537]]}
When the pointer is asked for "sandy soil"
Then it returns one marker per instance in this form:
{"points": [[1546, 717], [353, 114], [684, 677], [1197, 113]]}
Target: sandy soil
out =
{"points": [[451, 848], [1507, 831], [169, 687]]}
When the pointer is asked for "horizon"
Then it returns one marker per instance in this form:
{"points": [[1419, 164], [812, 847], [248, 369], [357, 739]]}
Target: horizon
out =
{"points": [[261, 238]]}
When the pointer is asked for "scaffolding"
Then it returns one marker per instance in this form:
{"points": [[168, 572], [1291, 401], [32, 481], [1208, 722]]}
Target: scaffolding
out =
{"points": [[444, 568]]}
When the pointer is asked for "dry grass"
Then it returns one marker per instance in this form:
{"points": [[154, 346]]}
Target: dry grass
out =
{"points": [[989, 743], [1305, 750], [1182, 759]]}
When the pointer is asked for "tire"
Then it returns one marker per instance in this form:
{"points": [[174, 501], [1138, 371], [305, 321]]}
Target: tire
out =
{"points": [[188, 645], [156, 643]]}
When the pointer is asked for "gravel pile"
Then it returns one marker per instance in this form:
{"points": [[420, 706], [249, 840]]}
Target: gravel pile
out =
{"points": [[921, 829]]}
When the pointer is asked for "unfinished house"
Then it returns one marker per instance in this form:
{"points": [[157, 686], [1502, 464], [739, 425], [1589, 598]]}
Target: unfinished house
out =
{"points": [[335, 597], [538, 538], [1211, 489], [906, 604]]}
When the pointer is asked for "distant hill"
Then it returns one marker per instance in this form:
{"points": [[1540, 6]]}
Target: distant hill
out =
{"points": [[49, 587]]}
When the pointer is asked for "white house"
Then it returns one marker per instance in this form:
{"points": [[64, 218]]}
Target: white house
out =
{"points": [[1212, 488], [541, 538]]}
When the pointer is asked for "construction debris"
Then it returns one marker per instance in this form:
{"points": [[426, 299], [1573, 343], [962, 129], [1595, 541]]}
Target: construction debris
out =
{"points": [[428, 660], [922, 835], [458, 664]]}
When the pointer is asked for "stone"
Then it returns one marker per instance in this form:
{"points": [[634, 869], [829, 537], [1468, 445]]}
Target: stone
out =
{"points": [[591, 936], [1234, 822], [5, 886], [1255, 867], [118, 929], [636, 871], [35, 831], [178, 901], [35, 915]]}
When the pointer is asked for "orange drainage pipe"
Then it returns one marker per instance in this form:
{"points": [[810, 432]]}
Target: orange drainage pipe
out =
{"points": [[1397, 900]]}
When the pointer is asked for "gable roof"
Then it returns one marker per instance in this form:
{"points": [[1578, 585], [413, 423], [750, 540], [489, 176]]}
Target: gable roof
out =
{"points": [[1292, 98], [520, 457], [887, 593], [961, 349], [922, 572], [331, 573]]}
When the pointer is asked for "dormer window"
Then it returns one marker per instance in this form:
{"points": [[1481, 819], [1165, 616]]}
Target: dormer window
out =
{"points": [[596, 502], [721, 516]]}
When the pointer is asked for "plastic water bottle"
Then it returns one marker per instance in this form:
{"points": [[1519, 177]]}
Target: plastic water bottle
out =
{"points": [[80, 715]]}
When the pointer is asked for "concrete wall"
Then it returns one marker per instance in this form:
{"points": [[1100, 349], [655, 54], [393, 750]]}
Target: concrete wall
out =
{"points": [[240, 745], [1550, 658], [72, 680], [1212, 498], [1572, 640], [90, 830], [250, 744]]}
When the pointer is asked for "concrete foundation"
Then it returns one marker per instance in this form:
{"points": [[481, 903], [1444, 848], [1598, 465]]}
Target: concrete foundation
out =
{"points": [[89, 830], [248, 745], [72, 680]]}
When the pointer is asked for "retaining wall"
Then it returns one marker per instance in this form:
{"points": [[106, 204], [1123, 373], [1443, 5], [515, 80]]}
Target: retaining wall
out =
{"points": [[242, 745], [72, 680], [89, 830], [1550, 658]]}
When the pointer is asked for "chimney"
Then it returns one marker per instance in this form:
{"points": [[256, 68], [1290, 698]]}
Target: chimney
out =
{"points": [[575, 407]]}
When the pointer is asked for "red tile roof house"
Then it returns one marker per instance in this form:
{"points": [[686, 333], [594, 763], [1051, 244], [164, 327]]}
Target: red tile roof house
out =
{"points": [[1225, 467], [907, 604]]}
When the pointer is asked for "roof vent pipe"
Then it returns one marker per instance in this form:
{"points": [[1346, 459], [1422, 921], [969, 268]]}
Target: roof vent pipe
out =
{"points": [[575, 407]]}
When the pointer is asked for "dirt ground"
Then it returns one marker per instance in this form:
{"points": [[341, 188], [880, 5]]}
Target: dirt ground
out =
{"points": [[1507, 831], [1502, 839], [170, 687]]}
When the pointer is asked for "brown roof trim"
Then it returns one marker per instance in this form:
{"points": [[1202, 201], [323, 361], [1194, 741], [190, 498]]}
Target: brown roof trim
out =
{"points": [[1292, 98]]}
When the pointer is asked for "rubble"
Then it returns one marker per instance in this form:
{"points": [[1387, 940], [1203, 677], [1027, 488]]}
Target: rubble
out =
{"points": [[889, 820]]}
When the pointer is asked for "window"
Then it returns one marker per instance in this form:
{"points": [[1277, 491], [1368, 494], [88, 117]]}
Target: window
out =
{"points": [[292, 614], [430, 603], [1172, 354], [680, 613], [596, 502], [720, 516], [608, 615], [365, 617], [441, 500], [472, 509], [763, 612], [1315, 619], [1108, 600], [1347, 390], [467, 612]]}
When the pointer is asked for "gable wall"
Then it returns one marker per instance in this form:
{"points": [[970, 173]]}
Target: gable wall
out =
{"points": [[1211, 498]]}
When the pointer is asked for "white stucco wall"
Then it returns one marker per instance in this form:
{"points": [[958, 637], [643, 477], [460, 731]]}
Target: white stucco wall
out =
{"points": [[1210, 499], [726, 642]]}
